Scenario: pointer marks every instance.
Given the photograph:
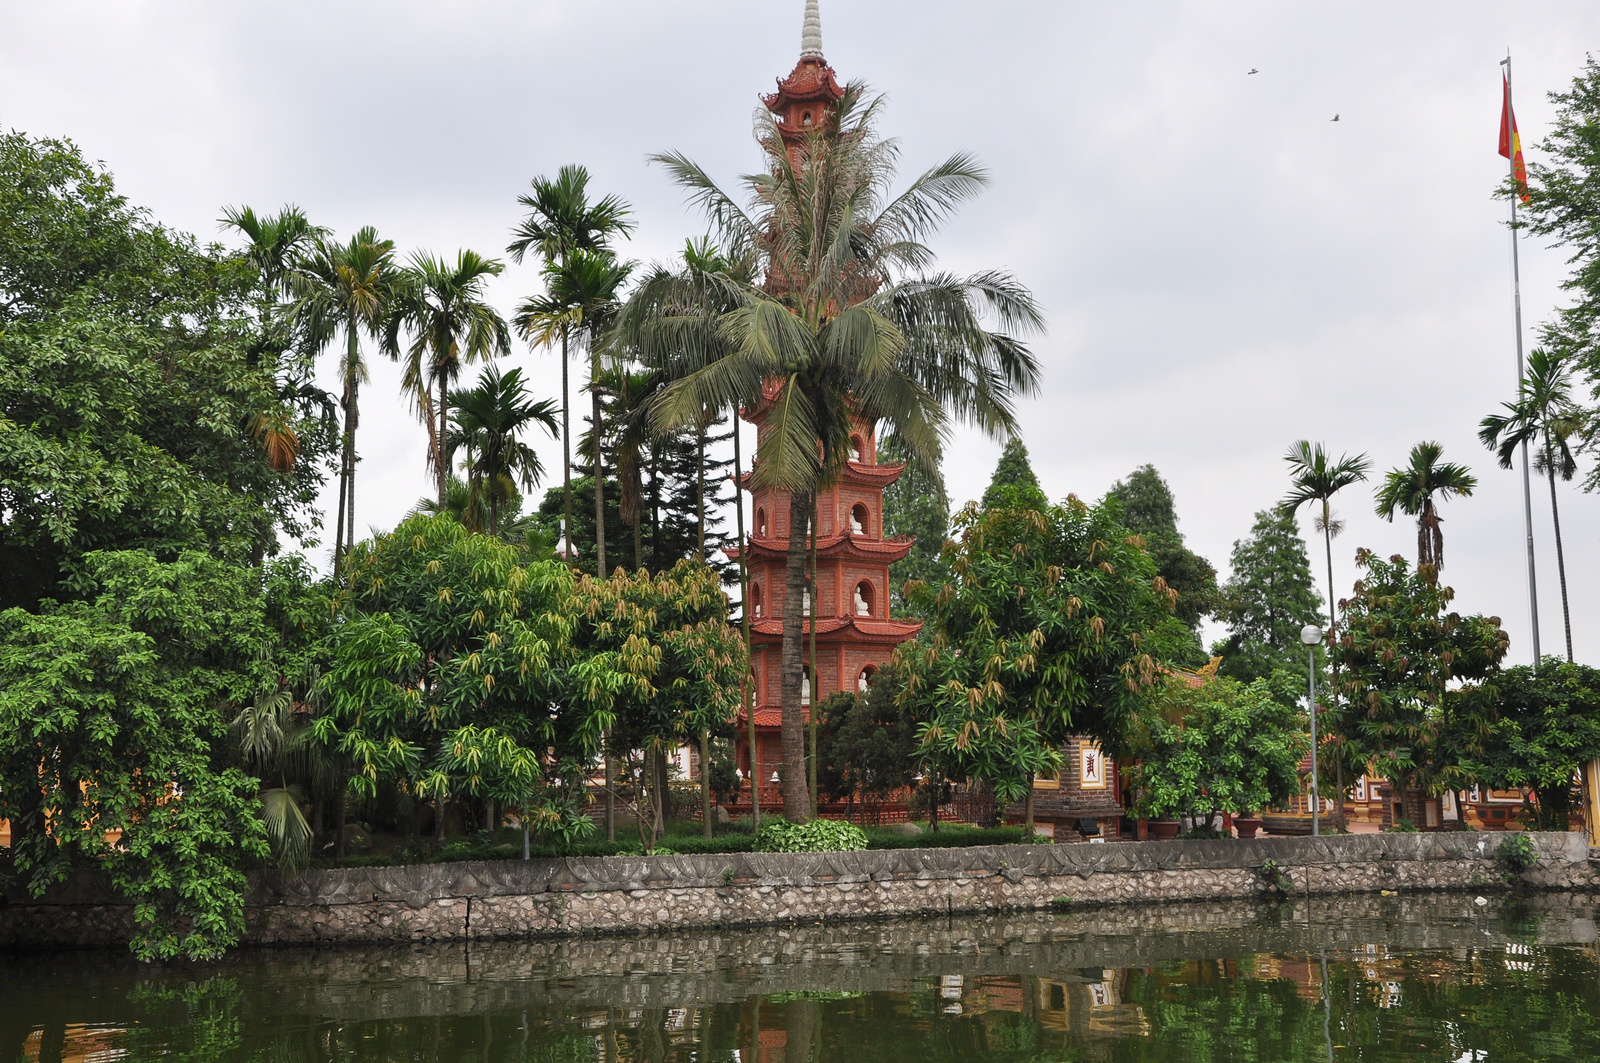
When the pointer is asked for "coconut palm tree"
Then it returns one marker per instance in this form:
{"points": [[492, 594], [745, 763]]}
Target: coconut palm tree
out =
{"points": [[560, 223], [581, 298], [441, 305], [1545, 415], [343, 288], [485, 422], [1316, 477], [844, 324], [1411, 489]]}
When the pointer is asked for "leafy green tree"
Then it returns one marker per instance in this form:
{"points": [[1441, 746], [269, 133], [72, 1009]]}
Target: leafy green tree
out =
{"points": [[844, 324], [1546, 727], [1014, 484], [1050, 623], [677, 663], [485, 423], [112, 742], [1222, 746], [916, 505], [561, 222], [1410, 490], [451, 677], [1406, 665], [1148, 508], [867, 745], [1546, 416], [344, 288], [132, 366], [1268, 598], [442, 306]]}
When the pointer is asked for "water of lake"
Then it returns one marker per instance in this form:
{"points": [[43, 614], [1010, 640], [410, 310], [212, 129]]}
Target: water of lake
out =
{"points": [[1374, 979]]}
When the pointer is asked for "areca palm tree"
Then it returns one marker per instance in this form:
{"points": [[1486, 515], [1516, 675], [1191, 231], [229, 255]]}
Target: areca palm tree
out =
{"points": [[343, 288], [1411, 491], [1315, 477], [485, 422], [844, 324], [578, 306], [561, 222], [442, 306], [1546, 416]]}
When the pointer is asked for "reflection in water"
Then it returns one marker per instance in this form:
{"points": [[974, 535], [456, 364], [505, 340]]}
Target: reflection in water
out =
{"points": [[1430, 980]]}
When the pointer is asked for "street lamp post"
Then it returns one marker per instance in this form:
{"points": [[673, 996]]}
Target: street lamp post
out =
{"points": [[1311, 634]]}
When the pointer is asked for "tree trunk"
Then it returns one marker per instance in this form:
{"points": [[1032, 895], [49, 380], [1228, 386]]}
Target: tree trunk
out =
{"points": [[745, 700], [663, 794], [438, 816], [599, 476], [816, 671], [344, 491], [1333, 660], [1561, 560], [439, 460], [1027, 806], [700, 489], [705, 779], [796, 795], [566, 451], [611, 797]]}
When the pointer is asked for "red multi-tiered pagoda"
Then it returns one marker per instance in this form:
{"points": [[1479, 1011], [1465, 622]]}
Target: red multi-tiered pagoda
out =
{"points": [[854, 632]]}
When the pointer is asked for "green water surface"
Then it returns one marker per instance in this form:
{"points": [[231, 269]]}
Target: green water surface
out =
{"points": [[1440, 978]]}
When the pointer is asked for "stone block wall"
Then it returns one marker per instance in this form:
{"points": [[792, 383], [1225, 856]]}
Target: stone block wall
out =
{"points": [[585, 896]]}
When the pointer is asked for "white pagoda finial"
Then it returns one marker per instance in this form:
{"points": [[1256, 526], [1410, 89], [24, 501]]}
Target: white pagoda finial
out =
{"points": [[811, 33]]}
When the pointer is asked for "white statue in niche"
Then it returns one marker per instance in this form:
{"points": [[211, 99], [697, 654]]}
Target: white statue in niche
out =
{"points": [[805, 603], [863, 607], [805, 688], [861, 681], [855, 522]]}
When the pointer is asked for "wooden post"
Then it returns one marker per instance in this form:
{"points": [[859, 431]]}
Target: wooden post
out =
{"points": [[1591, 804]]}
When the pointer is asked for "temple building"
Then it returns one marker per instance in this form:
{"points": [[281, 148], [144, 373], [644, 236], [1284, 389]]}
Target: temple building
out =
{"points": [[854, 631]]}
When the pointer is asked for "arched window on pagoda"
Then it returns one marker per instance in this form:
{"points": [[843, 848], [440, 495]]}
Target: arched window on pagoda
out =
{"points": [[864, 598], [864, 680], [757, 609], [856, 450], [805, 687], [761, 523], [860, 519], [805, 119]]}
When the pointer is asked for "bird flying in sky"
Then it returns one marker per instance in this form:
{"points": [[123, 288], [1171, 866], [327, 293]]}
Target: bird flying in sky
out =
{"points": [[1252, 70], [1335, 118]]}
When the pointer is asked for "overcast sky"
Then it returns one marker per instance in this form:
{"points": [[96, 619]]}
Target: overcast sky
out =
{"points": [[1224, 269]]}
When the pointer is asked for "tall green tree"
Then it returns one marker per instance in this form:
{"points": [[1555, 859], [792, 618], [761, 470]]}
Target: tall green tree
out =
{"points": [[1546, 728], [1408, 666], [442, 306], [582, 297], [344, 288], [1051, 622], [562, 222], [915, 506], [845, 323], [486, 422], [1148, 508], [1268, 598], [1411, 490], [1014, 482], [133, 365], [1546, 416]]}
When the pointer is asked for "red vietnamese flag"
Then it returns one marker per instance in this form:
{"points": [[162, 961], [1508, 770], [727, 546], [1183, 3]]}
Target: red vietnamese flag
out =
{"points": [[1510, 142]]}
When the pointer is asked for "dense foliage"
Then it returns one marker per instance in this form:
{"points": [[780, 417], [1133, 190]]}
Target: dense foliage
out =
{"points": [[1147, 508], [1407, 667], [1268, 598], [1051, 622], [915, 506], [1216, 746], [778, 835]]}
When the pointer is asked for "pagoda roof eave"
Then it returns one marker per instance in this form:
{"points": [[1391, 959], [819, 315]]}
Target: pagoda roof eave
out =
{"points": [[854, 629], [855, 473], [843, 545]]}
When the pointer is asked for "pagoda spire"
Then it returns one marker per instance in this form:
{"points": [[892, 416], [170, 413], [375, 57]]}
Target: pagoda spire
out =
{"points": [[811, 32]]}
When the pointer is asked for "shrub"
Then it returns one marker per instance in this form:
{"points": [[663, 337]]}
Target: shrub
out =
{"points": [[817, 836], [1515, 855]]}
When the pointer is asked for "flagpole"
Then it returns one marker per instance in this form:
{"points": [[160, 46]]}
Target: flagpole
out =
{"points": [[1516, 296]]}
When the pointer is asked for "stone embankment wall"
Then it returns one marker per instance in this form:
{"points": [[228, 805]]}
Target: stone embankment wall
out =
{"points": [[579, 896]]}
